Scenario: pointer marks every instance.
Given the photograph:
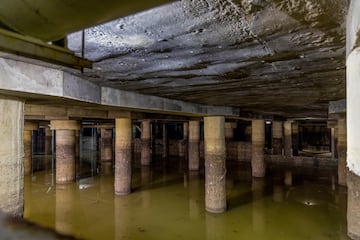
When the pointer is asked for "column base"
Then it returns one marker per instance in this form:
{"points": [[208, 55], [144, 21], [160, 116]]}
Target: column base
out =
{"points": [[353, 212], [219, 210], [122, 193]]}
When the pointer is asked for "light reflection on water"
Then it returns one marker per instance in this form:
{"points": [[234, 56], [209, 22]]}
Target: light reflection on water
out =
{"points": [[169, 204]]}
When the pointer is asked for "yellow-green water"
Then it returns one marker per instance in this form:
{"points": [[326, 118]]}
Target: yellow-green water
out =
{"points": [[169, 204]]}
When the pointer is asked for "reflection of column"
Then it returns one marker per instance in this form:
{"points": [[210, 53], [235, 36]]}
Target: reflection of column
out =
{"points": [[277, 135], [194, 144], [123, 156], [287, 139], [29, 127], [48, 141], [258, 213], [123, 224], [145, 142], [278, 193], [257, 153], [65, 149], [11, 156], [194, 195], [215, 171], [215, 227], [106, 150], [288, 178], [65, 199], [145, 181], [342, 152]]}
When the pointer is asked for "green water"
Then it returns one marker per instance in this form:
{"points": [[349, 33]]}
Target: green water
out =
{"points": [[169, 204]]}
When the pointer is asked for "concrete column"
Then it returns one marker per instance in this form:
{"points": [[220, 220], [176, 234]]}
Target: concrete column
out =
{"points": [[333, 146], [353, 119], [145, 143], [183, 144], [194, 145], [295, 138], [287, 139], [106, 149], [11, 156], [277, 137], [29, 127], [215, 169], [257, 148], [65, 149], [229, 130], [123, 156], [342, 152], [48, 141], [164, 142]]}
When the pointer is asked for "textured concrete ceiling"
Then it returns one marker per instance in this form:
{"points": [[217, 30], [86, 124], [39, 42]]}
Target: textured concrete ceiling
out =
{"points": [[266, 56]]}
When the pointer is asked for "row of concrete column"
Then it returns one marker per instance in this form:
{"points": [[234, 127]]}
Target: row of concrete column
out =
{"points": [[215, 152]]}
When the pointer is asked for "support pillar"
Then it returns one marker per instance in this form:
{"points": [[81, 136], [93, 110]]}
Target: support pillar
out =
{"points": [[183, 144], [257, 148], [277, 137], [353, 119], [123, 156], [229, 130], [65, 149], [29, 127], [145, 143], [333, 145], [287, 139], [48, 141], [164, 142], [342, 170], [215, 169], [106, 149], [295, 138], [194, 145], [11, 156]]}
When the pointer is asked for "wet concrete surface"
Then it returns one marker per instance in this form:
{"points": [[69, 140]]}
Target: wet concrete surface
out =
{"points": [[168, 203]]}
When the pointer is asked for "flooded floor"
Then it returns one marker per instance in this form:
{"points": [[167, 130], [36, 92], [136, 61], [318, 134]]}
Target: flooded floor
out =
{"points": [[168, 203]]}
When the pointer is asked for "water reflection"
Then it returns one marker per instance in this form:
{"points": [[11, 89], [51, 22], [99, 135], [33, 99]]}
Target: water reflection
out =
{"points": [[169, 204]]}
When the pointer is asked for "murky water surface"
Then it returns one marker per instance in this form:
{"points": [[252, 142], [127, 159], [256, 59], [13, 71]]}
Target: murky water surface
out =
{"points": [[169, 204]]}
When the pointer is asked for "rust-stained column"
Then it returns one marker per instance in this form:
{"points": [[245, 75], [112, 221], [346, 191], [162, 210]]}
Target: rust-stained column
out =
{"points": [[29, 127], [65, 149], [257, 149], [342, 170], [145, 142], [194, 145], [48, 141], [287, 139], [106, 149], [11, 156], [277, 137], [123, 156], [215, 169]]}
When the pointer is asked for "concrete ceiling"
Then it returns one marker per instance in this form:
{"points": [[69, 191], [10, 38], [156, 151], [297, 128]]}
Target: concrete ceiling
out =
{"points": [[277, 57], [267, 56]]}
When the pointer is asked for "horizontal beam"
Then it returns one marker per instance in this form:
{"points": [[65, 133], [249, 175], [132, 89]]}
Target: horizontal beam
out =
{"points": [[17, 44], [56, 87]]}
